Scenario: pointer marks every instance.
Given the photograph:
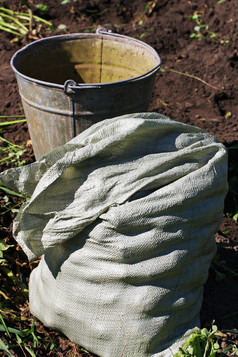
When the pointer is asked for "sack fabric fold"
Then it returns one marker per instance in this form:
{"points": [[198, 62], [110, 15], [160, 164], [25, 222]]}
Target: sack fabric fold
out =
{"points": [[124, 217]]}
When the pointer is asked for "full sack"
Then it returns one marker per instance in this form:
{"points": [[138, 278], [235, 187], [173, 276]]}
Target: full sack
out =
{"points": [[124, 217]]}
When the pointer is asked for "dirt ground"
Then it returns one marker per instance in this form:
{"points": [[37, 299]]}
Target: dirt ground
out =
{"points": [[196, 85]]}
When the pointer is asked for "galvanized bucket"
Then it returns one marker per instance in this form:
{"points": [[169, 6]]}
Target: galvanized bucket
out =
{"points": [[69, 82]]}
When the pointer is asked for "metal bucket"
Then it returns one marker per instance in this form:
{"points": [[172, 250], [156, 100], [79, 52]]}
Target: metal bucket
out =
{"points": [[69, 82]]}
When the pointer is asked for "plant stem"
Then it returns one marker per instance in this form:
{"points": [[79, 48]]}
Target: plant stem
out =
{"points": [[14, 279], [9, 143], [190, 76], [12, 116], [10, 31], [12, 122], [232, 272]]}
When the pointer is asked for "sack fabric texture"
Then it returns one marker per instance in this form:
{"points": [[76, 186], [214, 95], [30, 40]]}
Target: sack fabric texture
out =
{"points": [[124, 217]]}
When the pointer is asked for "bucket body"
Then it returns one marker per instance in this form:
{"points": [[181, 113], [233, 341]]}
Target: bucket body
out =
{"points": [[69, 82]]}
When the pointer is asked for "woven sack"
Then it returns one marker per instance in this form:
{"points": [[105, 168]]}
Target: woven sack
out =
{"points": [[124, 217]]}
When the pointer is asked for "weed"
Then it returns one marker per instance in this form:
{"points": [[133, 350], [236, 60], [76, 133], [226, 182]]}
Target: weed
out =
{"points": [[149, 7], [83, 350], [23, 337], [12, 153], [225, 42], [145, 33], [201, 29], [42, 8], [10, 192], [221, 265], [202, 343], [11, 116], [3, 248], [8, 206], [5, 123], [187, 75], [18, 23], [8, 272], [65, 2]]}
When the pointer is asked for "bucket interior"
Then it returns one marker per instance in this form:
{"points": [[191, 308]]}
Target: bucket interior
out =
{"points": [[85, 59]]}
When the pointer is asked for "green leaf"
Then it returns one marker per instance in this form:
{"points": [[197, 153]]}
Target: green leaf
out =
{"points": [[4, 326], [216, 346], [19, 340], [204, 332], [5, 348], [235, 217], [10, 192], [212, 354], [29, 351], [232, 331], [12, 330], [42, 7], [4, 246]]}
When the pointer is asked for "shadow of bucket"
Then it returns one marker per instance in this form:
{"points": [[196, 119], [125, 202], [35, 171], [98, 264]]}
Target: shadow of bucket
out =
{"points": [[69, 82]]}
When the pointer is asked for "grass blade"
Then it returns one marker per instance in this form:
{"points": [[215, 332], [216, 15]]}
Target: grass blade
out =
{"points": [[22, 28], [10, 31], [10, 192], [4, 326], [11, 116], [5, 348], [232, 331], [29, 351], [8, 142], [13, 330], [14, 279], [12, 122]]}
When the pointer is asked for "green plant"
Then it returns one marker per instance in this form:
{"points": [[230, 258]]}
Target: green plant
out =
{"points": [[201, 343], [3, 248], [5, 123], [164, 69], [145, 32], [149, 8], [10, 192], [200, 29], [5, 257], [42, 8], [19, 23], [225, 42], [23, 337], [8, 206], [65, 2], [12, 153]]}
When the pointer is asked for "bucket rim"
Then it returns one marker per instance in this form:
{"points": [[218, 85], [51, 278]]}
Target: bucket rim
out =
{"points": [[98, 34]]}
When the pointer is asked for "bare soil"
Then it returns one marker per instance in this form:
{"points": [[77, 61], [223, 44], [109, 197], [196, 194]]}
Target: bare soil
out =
{"points": [[197, 85]]}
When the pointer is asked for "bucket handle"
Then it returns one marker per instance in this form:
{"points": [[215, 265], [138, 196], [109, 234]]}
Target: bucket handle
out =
{"points": [[101, 30], [70, 86], [68, 91]]}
